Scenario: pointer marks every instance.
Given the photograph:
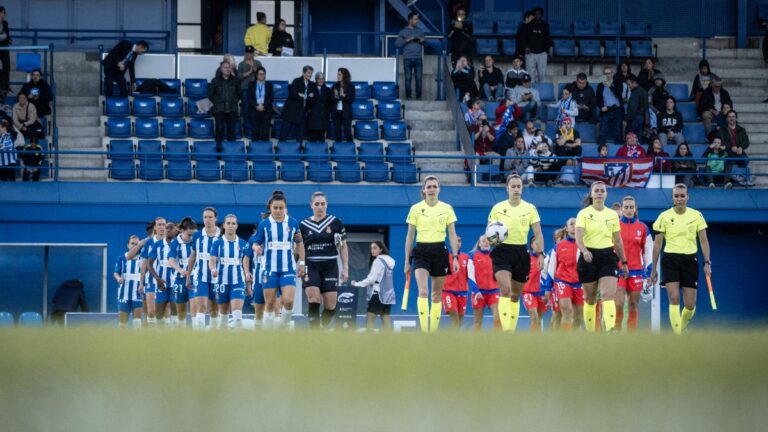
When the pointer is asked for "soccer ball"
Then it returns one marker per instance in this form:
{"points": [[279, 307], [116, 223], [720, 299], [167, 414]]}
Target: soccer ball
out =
{"points": [[496, 232]]}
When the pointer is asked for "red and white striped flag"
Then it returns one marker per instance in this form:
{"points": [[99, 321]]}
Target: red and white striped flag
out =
{"points": [[617, 172]]}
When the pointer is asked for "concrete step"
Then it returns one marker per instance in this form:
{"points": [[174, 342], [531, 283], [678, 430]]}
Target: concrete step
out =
{"points": [[745, 107], [413, 114], [760, 83], [739, 100], [78, 111], [79, 160], [738, 91], [64, 121], [80, 131], [83, 175], [425, 105], [91, 142], [431, 125], [433, 135], [728, 71], [68, 101], [434, 146], [754, 127], [757, 137], [445, 178], [731, 53], [751, 117]]}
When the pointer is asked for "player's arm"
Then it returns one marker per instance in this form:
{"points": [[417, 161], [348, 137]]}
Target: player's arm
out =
{"points": [[647, 255], [118, 273], [192, 262], [214, 259], [705, 251], [539, 242], [453, 239], [172, 259], [344, 253], [619, 245], [142, 275], [657, 243], [151, 268], [132, 252], [409, 247], [298, 241]]}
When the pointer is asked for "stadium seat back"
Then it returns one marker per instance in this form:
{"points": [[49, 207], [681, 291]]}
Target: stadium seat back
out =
{"points": [[147, 128], [316, 151], [488, 46], [117, 107], [694, 134], [280, 89], [586, 131], [564, 48], [483, 26], [507, 27], [395, 130], [348, 172], [589, 48], [192, 109], [151, 169], [366, 130], [609, 28], [144, 107], [149, 150], [179, 170], [389, 110], [196, 88], [376, 172], [30, 319], [636, 28], [204, 151], [584, 27], [233, 150], [343, 152], [405, 173], [208, 170], [278, 108], [27, 62], [174, 128], [121, 150], [320, 172], [292, 171], [261, 151], [362, 109], [612, 48], [546, 91], [384, 90], [560, 28], [122, 169], [264, 171], [487, 173], [362, 90], [508, 47], [688, 111], [399, 152], [177, 150], [201, 128], [236, 170], [371, 152], [288, 151], [640, 48], [174, 84], [569, 175], [6, 320], [679, 91], [172, 107]]}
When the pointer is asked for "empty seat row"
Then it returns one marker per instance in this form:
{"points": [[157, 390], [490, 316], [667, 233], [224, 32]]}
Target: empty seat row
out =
{"points": [[638, 48], [149, 128], [26, 319], [508, 27]]}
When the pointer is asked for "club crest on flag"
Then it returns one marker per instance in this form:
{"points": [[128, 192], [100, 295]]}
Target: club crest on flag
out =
{"points": [[617, 172]]}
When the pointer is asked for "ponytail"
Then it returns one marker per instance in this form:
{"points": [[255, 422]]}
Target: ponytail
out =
{"points": [[187, 224]]}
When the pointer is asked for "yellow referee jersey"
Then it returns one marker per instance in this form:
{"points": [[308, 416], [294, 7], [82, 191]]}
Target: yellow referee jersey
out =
{"points": [[599, 226], [431, 221], [680, 230], [518, 220]]}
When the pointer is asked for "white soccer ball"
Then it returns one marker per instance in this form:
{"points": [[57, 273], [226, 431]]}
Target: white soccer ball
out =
{"points": [[496, 232]]}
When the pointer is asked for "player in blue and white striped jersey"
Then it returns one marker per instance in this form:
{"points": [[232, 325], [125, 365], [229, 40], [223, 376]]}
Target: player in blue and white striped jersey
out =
{"points": [[127, 273], [158, 259], [226, 265], [278, 237], [201, 285], [150, 281], [178, 258], [253, 267]]}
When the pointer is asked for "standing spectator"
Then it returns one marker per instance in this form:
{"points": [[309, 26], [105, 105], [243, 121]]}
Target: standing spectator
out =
{"points": [[484, 141], [647, 74], [301, 94], [460, 36], [656, 150], [411, 41], [25, 117], [260, 99], [566, 107], [608, 100], [536, 43], [281, 39], [620, 81], [69, 297], [514, 76], [32, 157], [715, 168], [5, 56], [320, 110], [246, 72], [224, 93], [259, 35], [229, 58], [735, 139], [7, 153], [631, 148], [39, 93], [658, 94], [670, 123], [684, 167], [522, 32], [543, 164], [463, 77], [491, 80], [343, 96], [473, 115], [527, 98], [701, 81], [712, 101], [637, 108], [567, 143], [584, 96], [122, 56]]}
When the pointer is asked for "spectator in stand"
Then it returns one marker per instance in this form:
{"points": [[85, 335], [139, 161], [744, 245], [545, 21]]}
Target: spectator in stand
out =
{"points": [[608, 99], [320, 109], [281, 39], [260, 102], [522, 32], [25, 118], [122, 57], [527, 98], [585, 99], [536, 43], [505, 140], [7, 153], [520, 165], [735, 139], [543, 164], [567, 143], [301, 95], [712, 101], [259, 35], [491, 80], [658, 94], [656, 150], [648, 74], [670, 123], [463, 77], [474, 114], [566, 107], [39, 93], [410, 41], [507, 112], [637, 108], [224, 93], [539, 137], [602, 151], [32, 157], [5, 57], [719, 121], [229, 58], [715, 167], [529, 133], [620, 81], [343, 96], [514, 76], [701, 81], [631, 148], [685, 168], [484, 140], [246, 71], [460, 36]]}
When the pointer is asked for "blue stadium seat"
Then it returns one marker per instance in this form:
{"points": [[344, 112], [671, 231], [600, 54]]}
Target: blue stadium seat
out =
{"points": [[550, 129], [343, 152], [147, 128], [490, 110], [196, 88], [179, 160], [589, 48], [208, 170], [507, 27], [192, 109], [405, 173], [201, 128], [150, 156], [171, 107], [144, 107], [609, 28], [546, 91], [280, 89], [694, 134], [30, 319], [671, 149], [116, 107], [139, 82], [293, 171], [487, 173], [551, 115], [236, 170], [399, 152], [261, 151], [288, 151], [278, 108], [389, 110], [384, 90], [640, 48], [6, 319], [27, 62], [569, 175], [489, 46], [371, 152], [348, 172], [173, 83], [612, 48], [636, 28], [362, 90], [204, 150], [589, 150], [586, 131], [679, 91], [320, 172], [688, 110], [121, 149], [696, 149], [560, 28], [395, 130], [376, 172], [122, 169], [264, 171], [508, 47], [362, 110], [233, 150], [316, 151], [151, 169], [584, 27], [118, 128], [483, 26], [564, 48], [174, 128], [367, 130]]}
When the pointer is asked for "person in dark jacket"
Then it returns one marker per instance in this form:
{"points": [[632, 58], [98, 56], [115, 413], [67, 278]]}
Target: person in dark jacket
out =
{"points": [[609, 104], [301, 94], [670, 123], [224, 94], [585, 99], [121, 58], [5, 55], [711, 102], [647, 75], [342, 98], [33, 157], [701, 81], [260, 103], [522, 32], [39, 93], [320, 110], [463, 77], [460, 36], [536, 43], [658, 94], [620, 80], [491, 80], [68, 298], [637, 108], [735, 139], [280, 39]]}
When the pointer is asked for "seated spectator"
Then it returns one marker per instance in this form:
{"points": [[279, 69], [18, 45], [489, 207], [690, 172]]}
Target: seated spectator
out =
{"points": [[122, 57], [621, 80], [539, 137], [224, 94], [715, 167], [701, 81], [514, 76], [39, 93], [33, 158], [585, 99], [567, 143], [646, 76], [711, 103], [507, 112], [527, 98], [657, 95], [260, 102], [735, 139], [566, 107], [521, 166], [474, 114], [686, 169], [544, 164], [505, 140], [656, 150], [319, 109], [602, 151], [529, 132], [631, 148], [25, 118], [281, 39], [463, 77], [259, 34], [484, 141], [637, 108], [7, 153], [460, 36], [608, 99], [670, 123], [491, 80]]}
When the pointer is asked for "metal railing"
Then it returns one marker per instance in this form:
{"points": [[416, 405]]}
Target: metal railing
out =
{"points": [[71, 36]]}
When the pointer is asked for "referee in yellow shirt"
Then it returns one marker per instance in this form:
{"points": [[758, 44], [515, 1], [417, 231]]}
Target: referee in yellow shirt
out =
{"points": [[598, 237], [428, 221], [680, 226], [511, 262]]}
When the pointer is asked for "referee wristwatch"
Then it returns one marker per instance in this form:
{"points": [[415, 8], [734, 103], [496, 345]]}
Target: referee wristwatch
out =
{"points": [[708, 262], [624, 262], [301, 263]]}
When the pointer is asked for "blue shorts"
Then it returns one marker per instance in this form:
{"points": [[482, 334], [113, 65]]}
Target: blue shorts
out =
{"points": [[203, 289], [150, 286], [228, 292], [163, 296], [127, 306], [180, 291], [279, 279]]}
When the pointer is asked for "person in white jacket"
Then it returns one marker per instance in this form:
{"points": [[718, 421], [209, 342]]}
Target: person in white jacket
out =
{"points": [[380, 286]]}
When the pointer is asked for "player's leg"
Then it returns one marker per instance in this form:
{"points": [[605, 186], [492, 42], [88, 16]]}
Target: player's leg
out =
{"points": [[577, 300], [236, 301], [200, 302], [258, 304], [532, 307], [673, 294], [504, 279], [370, 321], [590, 298], [386, 318], [151, 315], [288, 289], [270, 297], [137, 311], [329, 290], [451, 308], [222, 303], [689, 303], [422, 303], [478, 310], [620, 298], [634, 289], [521, 267], [313, 280], [181, 298], [607, 286], [436, 309], [688, 281]]}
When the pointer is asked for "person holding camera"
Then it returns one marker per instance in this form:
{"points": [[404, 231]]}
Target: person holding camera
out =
{"points": [[526, 97], [463, 77], [410, 41], [543, 165], [484, 141], [460, 36]]}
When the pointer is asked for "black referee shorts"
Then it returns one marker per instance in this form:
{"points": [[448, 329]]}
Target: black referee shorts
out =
{"points": [[604, 263], [512, 258], [323, 274], [432, 257], [680, 268]]}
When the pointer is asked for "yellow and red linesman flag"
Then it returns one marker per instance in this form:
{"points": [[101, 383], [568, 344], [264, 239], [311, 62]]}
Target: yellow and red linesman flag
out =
{"points": [[406, 290], [711, 293]]}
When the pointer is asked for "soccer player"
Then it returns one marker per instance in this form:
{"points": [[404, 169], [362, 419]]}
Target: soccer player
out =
{"points": [[564, 277], [150, 282], [127, 274], [427, 222], [158, 259], [201, 285], [455, 289], [677, 229], [325, 240], [380, 289], [533, 293], [277, 238], [485, 290], [597, 236], [226, 269], [638, 246], [178, 259], [253, 268], [511, 264]]}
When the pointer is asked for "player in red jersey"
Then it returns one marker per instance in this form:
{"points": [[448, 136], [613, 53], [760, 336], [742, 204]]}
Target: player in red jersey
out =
{"points": [[533, 294], [638, 246], [565, 279], [485, 290], [455, 289]]}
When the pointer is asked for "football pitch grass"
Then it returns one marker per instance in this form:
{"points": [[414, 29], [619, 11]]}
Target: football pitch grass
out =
{"points": [[112, 380]]}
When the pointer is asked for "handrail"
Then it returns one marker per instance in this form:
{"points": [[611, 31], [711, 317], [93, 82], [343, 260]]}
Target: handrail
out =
{"points": [[382, 38], [73, 35]]}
